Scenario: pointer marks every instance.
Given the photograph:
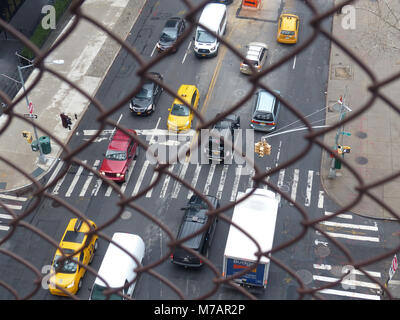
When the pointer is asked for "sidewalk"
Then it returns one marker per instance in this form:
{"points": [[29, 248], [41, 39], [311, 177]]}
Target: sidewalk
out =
{"points": [[88, 53], [375, 135]]}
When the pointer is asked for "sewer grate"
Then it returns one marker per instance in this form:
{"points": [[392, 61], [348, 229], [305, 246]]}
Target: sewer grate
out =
{"points": [[361, 160], [340, 72]]}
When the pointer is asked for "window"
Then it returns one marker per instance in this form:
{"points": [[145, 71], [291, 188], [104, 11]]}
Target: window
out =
{"points": [[194, 97]]}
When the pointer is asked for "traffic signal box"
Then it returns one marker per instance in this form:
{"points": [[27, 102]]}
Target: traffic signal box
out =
{"points": [[27, 135]]}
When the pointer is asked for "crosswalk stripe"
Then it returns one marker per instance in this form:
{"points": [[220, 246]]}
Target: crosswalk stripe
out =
{"points": [[295, 184], [235, 186], [6, 216], [89, 179], [153, 178], [166, 182], [350, 294], [209, 179], [344, 270], [348, 282], [344, 216], [280, 183], [267, 178], [97, 186], [55, 172], [321, 199], [177, 184], [9, 197], [351, 237], [4, 228], [140, 178], [309, 187], [222, 181], [349, 225], [251, 181], [58, 184], [75, 180], [13, 206], [194, 180], [130, 171]]}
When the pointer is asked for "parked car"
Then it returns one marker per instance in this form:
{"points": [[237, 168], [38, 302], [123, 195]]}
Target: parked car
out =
{"points": [[68, 273], [172, 30], [265, 111], [288, 28], [225, 129], [144, 103], [257, 55], [194, 218], [120, 153], [181, 116]]}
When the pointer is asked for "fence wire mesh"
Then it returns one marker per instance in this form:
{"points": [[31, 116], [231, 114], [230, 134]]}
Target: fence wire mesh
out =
{"points": [[41, 192]]}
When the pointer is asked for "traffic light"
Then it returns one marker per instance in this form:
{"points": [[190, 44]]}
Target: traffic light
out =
{"points": [[27, 135], [262, 148]]}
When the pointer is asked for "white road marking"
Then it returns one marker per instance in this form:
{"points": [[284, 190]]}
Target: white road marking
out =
{"points": [[177, 184], [280, 183], [4, 228], [55, 172], [89, 179], [194, 180], [140, 178], [348, 282], [295, 184], [153, 178], [351, 237], [278, 154], [75, 180], [350, 225], [222, 181], [13, 206], [130, 171], [321, 199], [350, 294], [187, 50], [6, 216], [309, 188], [251, 181], [154, 49], [209, 179], [59, 183], [344, 216], [9, 197], [267, 178], [235, 186], [294, 62], [166, 182], [352, 271]]}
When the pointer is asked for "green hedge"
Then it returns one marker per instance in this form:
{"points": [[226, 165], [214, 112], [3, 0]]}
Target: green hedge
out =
{"points": [[40, 35]]}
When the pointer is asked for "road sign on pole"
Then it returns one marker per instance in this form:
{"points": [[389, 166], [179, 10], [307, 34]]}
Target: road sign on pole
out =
{"points": [[393, 267], [30, 115]]}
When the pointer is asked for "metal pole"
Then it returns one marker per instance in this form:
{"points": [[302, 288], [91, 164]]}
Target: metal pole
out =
{"points": [[42, 158]]}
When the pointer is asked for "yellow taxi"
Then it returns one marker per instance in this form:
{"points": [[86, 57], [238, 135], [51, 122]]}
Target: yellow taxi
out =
{"points": [[288, 28], [68, 273], [180, 116]]}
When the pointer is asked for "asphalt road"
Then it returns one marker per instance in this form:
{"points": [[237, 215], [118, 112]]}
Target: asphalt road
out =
{"points": [[302, 81]]}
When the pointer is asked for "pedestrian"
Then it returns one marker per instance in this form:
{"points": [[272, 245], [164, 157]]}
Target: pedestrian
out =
{"points": [[64, 120]]}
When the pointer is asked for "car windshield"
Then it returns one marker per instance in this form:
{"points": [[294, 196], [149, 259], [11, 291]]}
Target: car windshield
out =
{"points": [[97, 294], [144, 94], [168, 35], [115, 155], [287, 33], [65, 266], [180, 110], [204, 37]]}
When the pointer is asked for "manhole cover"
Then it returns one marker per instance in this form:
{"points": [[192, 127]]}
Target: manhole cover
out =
{"points": [[361, 135], [305, 276], [342, 73], [361, 160], [126, 215], [322, 251]]}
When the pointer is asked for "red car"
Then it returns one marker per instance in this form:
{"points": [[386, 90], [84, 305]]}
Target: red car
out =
{"points": [[121, 150]]}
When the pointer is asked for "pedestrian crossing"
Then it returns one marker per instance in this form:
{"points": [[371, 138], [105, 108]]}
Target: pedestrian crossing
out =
{"points": [[13, 203], [222, 180], [356, 284]]}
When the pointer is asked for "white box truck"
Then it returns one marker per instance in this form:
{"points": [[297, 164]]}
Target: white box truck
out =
{"points": [[257, 216]]}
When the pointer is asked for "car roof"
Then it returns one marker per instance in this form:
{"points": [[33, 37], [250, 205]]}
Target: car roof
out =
{"points": [[254, 49], [185, 91], [75, 239], [193, 221], [289, 21], [265, 101]]}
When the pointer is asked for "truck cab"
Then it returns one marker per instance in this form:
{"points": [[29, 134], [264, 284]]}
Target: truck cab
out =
{"points": [[222, 131]]}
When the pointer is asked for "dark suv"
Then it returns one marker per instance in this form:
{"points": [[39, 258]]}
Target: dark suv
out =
{"points": [[225, 130], [194, 219]]}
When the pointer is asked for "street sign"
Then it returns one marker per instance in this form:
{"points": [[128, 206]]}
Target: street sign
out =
{"points": [[30, 107], [29, 115], [345, 133]]}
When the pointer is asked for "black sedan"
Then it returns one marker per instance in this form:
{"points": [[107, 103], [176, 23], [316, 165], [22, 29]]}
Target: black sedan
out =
{"points": [[173, 28], [144, 103]]}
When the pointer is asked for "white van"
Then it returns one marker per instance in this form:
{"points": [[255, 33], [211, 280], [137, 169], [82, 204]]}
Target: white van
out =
{"points": [[213, 17], [117, 267]]}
